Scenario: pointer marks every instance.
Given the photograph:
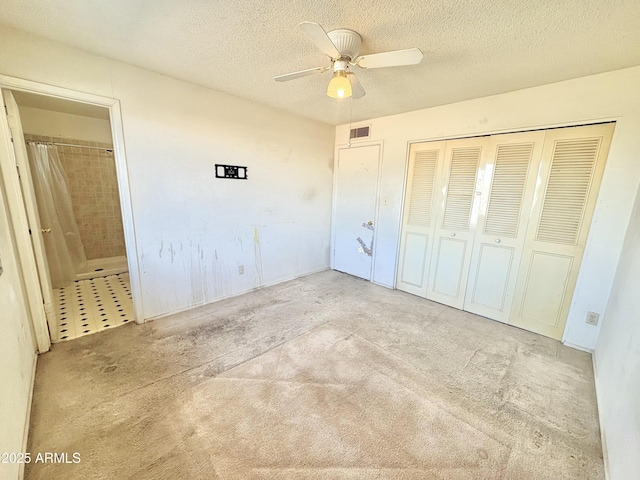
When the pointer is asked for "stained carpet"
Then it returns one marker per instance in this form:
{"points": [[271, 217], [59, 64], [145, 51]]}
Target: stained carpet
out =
{"points": [[324, 377]]}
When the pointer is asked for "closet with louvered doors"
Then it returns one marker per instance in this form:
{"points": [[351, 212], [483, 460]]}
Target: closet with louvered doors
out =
{"points": [[500, 222]]}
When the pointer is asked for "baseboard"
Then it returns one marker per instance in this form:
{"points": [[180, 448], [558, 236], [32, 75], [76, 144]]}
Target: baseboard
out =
{"points": [[578, 347], [27, 422], [603, 437], [391, 287], [204, 303]]}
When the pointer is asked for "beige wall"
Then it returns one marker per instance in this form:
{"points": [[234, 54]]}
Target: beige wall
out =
{"points": [[194, 231], [617, 361], [17, 349], [94, 195]]}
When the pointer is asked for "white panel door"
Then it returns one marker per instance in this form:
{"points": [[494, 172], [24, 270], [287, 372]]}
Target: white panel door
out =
{"points": [[418, 223], [31, 208], [457, 206], [355, 208], [571, 169], [510, 174]]}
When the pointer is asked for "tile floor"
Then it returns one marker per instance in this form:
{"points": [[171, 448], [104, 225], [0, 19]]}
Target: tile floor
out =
{"points": [[89, 306]]}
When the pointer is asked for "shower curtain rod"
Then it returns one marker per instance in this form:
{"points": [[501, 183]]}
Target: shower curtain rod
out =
{"points": [[72, 145]]}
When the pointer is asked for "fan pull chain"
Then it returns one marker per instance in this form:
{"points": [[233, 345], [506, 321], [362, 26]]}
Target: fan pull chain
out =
{"points": [[350, 114]]}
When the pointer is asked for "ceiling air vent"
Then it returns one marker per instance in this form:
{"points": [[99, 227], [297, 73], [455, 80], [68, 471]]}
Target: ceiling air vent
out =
{"points": [[359, 132]]}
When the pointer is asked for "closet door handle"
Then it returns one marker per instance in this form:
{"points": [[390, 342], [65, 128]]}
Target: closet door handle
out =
{"points": [[45, 230], [453, 234], [497, 240]]}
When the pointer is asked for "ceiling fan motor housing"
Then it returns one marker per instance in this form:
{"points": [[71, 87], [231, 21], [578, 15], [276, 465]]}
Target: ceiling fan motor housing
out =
{"points": [[347, 42]]}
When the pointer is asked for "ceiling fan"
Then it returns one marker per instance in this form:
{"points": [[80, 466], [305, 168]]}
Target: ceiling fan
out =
{"points": [[342, 47]]}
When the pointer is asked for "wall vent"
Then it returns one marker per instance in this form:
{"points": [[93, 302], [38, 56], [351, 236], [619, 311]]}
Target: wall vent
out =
{"points": [[359, 132]]}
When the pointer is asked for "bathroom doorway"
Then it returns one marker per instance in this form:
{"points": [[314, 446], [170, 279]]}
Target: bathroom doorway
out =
{"points": [[70, 186]]}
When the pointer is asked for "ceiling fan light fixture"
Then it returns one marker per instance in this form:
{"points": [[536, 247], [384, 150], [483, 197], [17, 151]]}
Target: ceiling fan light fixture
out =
{"points": [[339, 86]]}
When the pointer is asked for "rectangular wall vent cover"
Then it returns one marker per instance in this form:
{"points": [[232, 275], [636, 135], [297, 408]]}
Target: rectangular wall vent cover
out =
{"points": [[359, 132]]}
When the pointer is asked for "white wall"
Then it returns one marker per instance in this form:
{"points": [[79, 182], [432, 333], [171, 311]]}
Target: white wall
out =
{"points": [[48, 123], [617, 361], [193, 231], [613, 95], [17, 350]]}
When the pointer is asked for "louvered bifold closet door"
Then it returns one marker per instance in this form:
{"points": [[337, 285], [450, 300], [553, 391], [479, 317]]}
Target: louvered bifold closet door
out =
{"points": [[456, 210], [571, 169], [511, 170], [418, 223]]}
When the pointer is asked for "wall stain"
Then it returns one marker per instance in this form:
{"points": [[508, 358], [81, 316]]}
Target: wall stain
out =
{"points": [[257, 254], [161, 248], [198, 276], [308, 195]]}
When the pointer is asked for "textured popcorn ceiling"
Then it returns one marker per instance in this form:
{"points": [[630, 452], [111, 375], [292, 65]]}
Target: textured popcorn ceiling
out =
{"points": [[472, 48]]}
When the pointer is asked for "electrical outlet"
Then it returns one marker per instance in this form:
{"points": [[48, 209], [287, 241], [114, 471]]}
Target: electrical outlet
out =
{"points": [[592, 318], [241, 270]]}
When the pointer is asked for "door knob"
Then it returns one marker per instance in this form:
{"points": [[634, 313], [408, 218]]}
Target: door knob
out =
{"points": [[453, 234], [497, 240], [369, 223], [45, 230]]}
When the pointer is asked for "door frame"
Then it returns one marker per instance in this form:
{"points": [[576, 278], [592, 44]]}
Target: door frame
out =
{"points": [[11, 183], [334, 199]]}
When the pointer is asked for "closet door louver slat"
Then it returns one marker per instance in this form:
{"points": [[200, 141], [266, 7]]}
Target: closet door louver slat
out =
{"points": [[424, 173], [461, 188], [507, 190], [572, 168]]}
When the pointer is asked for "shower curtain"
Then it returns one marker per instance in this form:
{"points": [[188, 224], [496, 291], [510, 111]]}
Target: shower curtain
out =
{"points": [[65, 253]]}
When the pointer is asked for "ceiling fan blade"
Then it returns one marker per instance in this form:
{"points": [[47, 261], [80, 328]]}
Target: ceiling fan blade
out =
{"points": [[302, 73], [397, 58], [357, 91], [320, 38]]}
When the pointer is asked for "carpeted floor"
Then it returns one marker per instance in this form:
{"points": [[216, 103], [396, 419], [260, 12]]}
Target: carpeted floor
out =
{"points": [[324, 377]]}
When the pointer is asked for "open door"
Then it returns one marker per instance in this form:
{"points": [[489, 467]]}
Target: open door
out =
{"points": [[13, 186], [31, 208]]}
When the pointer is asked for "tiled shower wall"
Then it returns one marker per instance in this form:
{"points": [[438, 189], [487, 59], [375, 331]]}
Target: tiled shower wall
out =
{"points": [[94, 195]]}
